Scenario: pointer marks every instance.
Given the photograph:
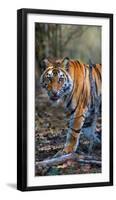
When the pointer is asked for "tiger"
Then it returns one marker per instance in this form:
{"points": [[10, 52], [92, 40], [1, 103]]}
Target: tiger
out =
{"points": [[78, 85]]}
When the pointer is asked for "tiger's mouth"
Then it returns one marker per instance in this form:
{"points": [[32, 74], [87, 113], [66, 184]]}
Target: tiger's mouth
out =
{"points": [[54, 98]]}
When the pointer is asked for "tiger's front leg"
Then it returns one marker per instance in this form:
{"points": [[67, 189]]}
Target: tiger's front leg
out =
{"points": [[74, 130]]}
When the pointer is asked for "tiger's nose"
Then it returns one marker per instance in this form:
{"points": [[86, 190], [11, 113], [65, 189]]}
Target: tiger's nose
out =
{"points": [[54, 91]]}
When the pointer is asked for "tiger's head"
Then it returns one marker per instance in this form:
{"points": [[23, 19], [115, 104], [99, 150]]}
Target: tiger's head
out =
{"points": [[56, 79]]}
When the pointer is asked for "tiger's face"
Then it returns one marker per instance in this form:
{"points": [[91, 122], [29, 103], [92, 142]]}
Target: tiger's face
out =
{"points": [[56, 80]]}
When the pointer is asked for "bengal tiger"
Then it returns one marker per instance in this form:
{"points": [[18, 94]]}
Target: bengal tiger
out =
{"points": [[79, 87]]}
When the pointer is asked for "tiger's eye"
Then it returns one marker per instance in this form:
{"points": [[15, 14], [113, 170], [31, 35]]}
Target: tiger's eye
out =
{"points": [[60, 80]]}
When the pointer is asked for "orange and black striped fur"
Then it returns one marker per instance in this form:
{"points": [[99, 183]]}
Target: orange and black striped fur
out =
{"points": [[79, 86]]}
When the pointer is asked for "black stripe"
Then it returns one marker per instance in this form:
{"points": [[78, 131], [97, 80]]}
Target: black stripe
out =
{"points": [[77, 131], [80, 65], [72, 112], [82, 116], [71, 93], [96, 91], [84, 80], [68, 104], [77, 61]]}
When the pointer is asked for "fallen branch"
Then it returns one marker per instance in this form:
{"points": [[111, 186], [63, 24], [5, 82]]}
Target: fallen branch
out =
{"points": [[63, 158]]}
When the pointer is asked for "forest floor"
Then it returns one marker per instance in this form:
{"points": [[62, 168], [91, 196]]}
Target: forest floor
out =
{"points": [[50, 137]]}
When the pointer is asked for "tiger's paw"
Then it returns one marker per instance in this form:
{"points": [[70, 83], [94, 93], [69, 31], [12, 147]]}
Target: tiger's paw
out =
{"points": [[68, 149], [59, 153]]}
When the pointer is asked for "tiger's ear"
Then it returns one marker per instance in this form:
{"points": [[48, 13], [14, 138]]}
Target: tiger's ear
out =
{"points": [[65, 63], [44, 64]]}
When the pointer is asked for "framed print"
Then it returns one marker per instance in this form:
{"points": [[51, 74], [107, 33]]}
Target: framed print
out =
{"points": [[64, 99]]}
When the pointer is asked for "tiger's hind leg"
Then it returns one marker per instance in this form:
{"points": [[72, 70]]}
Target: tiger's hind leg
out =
{"points": [[90, 132], [91, 135]]}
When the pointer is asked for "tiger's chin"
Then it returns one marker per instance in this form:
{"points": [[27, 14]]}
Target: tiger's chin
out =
{"points": [[55, 100]]}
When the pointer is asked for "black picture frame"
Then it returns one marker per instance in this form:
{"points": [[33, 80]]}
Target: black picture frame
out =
{"points": [[22, 98]]}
